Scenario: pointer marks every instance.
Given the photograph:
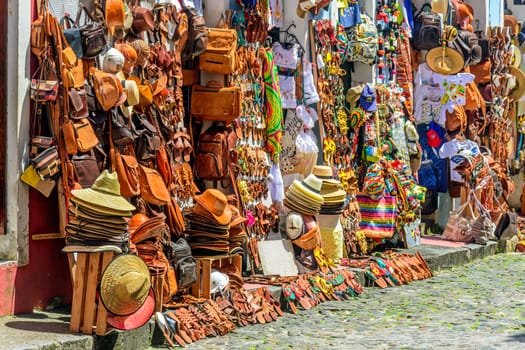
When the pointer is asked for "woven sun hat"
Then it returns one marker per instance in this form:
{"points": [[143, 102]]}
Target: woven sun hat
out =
{"points": [[516, 56], [353, 94], [216, 203], [300, 190], [125, 284], [294, 225], [519, 89], [136, 319], [133, 96], [142, 49], [447, 63], [303, 200], [325, 173], [104, 193]]}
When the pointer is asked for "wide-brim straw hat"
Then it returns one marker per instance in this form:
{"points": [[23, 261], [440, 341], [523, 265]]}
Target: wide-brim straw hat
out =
{"points": [[136, 319], [299, 187], [216, 203], [125, 284], [104, 193], [448, 62], [519, 89], [325, 173]]}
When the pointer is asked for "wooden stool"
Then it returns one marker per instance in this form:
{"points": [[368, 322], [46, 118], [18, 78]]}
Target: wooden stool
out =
{"points": [[86, 264], [201, 289]]}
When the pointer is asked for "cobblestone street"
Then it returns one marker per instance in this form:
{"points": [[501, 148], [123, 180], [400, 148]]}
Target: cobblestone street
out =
{"points": [[476, 306]]}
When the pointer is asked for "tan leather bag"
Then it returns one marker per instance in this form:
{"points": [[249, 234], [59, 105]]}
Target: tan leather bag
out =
{"points": [[70, 140], [220, 40], [215, 102], [86, 137], [309, 240], [217, 63], [152, 187], [220, 51]]}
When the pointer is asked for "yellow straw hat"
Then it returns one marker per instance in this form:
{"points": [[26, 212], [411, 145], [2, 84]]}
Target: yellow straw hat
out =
{"points": [[125, 284], [104, 193], [445, 61]]}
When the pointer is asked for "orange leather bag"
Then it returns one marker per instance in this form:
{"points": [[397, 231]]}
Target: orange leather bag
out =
{"points": [[152, 187], [309, 240], [215, 102], [220, 51]]}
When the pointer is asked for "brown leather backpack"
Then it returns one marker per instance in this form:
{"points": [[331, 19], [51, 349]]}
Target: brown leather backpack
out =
{"points": [[213, 153]]}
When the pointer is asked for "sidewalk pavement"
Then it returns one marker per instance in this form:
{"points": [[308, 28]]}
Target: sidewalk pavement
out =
{"points": [[50, 330]]}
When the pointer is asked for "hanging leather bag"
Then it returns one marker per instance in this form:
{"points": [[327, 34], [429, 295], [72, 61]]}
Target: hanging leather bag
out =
{"points": [[215, 102], [152, 187]]}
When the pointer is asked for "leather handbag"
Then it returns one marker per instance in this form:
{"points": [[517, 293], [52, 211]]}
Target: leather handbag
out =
{"points": [[86, 168], [459, 224], [85, 135], [93, 40], [309, 240], [79, 104], [47, 163], [215, 102], [44, 83], [143, 19], [152, 187], [220, 51], [70, 139], [72, 34], [128, 172]]}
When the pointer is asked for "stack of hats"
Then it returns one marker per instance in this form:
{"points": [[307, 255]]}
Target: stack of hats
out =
{"points": [[209, 224], [304, 197], [238, 233], [97, 215], [332, 191]]}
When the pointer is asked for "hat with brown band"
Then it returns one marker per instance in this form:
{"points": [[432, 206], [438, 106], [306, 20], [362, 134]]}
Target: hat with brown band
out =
{"points": [[446, 61]]}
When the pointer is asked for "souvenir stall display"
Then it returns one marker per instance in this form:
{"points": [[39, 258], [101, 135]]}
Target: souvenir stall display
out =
{"points": [[184, 143]]}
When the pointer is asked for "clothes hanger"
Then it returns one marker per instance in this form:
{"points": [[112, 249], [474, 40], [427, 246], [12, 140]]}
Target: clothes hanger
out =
{"points": [[290, 38]]}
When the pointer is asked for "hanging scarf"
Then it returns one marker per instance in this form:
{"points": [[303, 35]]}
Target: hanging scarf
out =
{"points": [[273, 106]]}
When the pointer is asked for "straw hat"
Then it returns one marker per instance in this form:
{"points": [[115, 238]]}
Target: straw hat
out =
{"points": [[104, 193], [125, 284], [353, 94], [142, 49], [519, 89], [325, 173], [516, 56], [216, 203], [136, 319], [453, 61], [133, 96], [100, 210], [440, 6]]}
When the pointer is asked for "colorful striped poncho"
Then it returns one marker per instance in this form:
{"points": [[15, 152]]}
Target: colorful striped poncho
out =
{"points": [[273, 106]]}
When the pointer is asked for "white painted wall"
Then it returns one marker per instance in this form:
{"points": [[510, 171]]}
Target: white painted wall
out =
{"points": [[517, 10], [18, 75]]}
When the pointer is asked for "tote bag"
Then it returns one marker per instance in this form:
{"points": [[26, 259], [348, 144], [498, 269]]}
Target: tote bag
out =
{"points": [[377, 215]]}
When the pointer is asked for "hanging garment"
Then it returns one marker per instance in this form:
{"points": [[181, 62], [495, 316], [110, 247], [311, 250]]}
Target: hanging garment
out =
{"points": [[273, 106]]}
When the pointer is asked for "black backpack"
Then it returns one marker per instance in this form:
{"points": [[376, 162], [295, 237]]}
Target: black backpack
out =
{"points": [[427, 29], [197, 35], [467, 44], [179, 255]]}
